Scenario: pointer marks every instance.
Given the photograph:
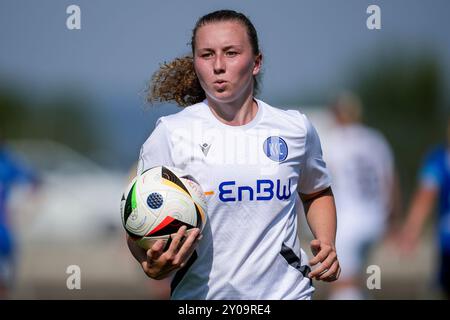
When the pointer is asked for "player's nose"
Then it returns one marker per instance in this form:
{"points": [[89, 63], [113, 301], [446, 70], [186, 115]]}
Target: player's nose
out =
{"points": [[219, 64]]}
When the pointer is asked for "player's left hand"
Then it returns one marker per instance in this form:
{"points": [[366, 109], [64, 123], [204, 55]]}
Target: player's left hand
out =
{"points": [[325, 254]]}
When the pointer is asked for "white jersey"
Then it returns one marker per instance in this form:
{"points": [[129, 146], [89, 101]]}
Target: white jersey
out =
{"points": [[362, 166], [250, 175]]}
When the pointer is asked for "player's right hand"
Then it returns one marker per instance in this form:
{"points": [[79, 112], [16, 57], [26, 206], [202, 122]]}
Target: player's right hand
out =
{"points": [[159, 263], [326, 257]]}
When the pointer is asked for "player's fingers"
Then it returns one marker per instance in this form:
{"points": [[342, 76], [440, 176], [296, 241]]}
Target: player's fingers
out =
{"points": [[330, 259], [316, 272], [189, 241], [325, 264], [320, 256], [155, 251], [191, 251], [174, 246], [187, 247], [331, 274]]}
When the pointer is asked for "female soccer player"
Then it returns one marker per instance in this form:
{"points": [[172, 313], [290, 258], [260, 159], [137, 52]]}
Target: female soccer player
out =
{"points": [[251, 160], [366, 190]]}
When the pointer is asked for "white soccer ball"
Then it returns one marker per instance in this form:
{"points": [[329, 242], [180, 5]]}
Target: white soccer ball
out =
{"points": [[158, 202]]}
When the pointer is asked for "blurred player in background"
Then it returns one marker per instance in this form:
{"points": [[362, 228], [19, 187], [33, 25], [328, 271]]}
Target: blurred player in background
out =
{"points": [[433, 187], [12, 172], [365, 188]]}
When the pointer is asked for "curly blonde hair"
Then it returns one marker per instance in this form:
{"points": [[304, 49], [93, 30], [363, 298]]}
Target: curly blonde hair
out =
{"points": [[177, 81]]}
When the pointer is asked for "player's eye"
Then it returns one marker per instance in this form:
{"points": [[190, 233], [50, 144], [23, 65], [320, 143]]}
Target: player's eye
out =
{"points": [[206, 55], [231, 53]]}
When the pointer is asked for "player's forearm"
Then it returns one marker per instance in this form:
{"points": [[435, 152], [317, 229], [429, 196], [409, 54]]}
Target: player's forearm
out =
{"points": [[321, 216], [421, 208], [395, 207]]}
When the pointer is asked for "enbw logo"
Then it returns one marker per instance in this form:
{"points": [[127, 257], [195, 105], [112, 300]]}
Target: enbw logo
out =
{"points": [[264, 191]]}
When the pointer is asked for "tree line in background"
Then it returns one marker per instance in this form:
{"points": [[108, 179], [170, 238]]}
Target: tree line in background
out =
{"points": [[61, 117], [404, 97]]}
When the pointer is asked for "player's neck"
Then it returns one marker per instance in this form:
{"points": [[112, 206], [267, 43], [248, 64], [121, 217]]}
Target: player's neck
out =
{"points": [[235, 113]]}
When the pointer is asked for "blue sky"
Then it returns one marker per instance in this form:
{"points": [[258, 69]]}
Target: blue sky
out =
{"points": [[307, 44]]}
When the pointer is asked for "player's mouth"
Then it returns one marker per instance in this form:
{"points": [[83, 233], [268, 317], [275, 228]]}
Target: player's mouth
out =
{"points": [[220, 84]]}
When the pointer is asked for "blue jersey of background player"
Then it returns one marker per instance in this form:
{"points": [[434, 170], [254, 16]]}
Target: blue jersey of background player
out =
{"points": [[12, 171], [434, 187], [436, 175]]}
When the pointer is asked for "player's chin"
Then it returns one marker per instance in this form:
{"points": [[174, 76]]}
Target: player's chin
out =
{"points": [[223, 96]]}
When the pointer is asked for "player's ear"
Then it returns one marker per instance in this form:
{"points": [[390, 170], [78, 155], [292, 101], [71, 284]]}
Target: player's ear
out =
{"points": [[257, 64]]}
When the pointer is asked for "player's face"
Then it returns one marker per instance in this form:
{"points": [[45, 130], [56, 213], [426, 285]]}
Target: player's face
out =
{"points": [[224, 61]]}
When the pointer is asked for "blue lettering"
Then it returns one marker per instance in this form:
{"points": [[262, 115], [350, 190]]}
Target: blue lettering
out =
{"points": [[222, 192], [265, 189], [284, 196], [241, 189]]}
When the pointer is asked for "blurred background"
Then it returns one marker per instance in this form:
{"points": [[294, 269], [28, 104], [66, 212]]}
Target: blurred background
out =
{"points": [[73, 114]]}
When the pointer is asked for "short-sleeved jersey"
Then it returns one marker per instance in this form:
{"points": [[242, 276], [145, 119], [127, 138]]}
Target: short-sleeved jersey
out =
{"points": [[250, 175], [435, 173], [362, 165]]}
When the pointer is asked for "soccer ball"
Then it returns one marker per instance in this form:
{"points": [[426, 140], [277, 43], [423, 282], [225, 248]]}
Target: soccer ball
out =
{"points": [[158, 202]]}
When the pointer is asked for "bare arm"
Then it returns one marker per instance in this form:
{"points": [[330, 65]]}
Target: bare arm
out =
{"points": [[320, 213], [395, 207], [421, 207]]}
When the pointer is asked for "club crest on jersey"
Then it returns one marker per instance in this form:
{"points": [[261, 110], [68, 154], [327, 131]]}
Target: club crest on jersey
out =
{"points": [[275, 148]]}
